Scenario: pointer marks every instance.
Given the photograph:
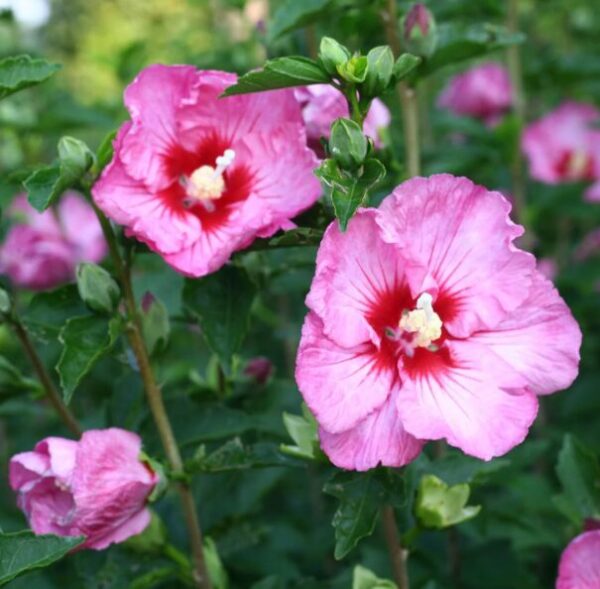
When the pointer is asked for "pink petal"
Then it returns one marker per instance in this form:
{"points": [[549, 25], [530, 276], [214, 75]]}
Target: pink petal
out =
{"points": [[131, 527], [379, 439], [340, 385], [580, 563], [27, 467], [474, 403], [540, 340], [353, 269], [62, 454], [440, 224]]}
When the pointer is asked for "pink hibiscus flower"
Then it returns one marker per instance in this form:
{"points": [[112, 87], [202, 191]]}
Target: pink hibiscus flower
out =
{"points": [[198, 177], [42, 250], [483, 92], [427, 323], [96, 487], [563, 147], [580, 563], [322, 104]]}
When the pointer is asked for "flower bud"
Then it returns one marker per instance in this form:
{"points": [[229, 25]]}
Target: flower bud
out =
{"points": [[419, 31], [259, 369], [354, 70], [97, 288], [96, 487], [347, 144], [379, 71], [332, 54]]}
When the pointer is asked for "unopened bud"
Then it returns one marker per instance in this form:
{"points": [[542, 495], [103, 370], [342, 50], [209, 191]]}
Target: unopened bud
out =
{"points": [[259, 369], [419, 31], [354, 70], [332, 54]]}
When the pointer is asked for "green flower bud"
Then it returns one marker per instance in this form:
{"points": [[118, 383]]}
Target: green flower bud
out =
{"points": [[347, 144], [97, 288], [419, 31], [332, 54], [354, 70], [379, 72]]}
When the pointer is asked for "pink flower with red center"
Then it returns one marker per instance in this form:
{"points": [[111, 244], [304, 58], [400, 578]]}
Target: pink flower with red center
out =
{"points": [[580, 563], [198, 177], [322, 104], [42, 250], [427, 323], [484, 92], [563, 146], [96, 487]]}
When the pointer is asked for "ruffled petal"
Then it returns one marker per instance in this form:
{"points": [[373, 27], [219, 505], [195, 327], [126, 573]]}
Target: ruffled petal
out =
{"points": [[580, 563], [340, 385], [475, 402], [441, 224], [379, 439], [540, 340]]}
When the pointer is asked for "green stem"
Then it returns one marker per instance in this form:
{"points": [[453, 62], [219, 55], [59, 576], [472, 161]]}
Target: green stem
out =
{"points": [[356, 113], [156, 404], [51, 392], [398, 554]]}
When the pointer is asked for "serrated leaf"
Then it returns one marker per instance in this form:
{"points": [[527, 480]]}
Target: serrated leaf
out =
{"points": [[292, 15], [24, 551], [85, 340], [18, 73], [282, 72], [361, 496], [221, 304], [578, 470]]}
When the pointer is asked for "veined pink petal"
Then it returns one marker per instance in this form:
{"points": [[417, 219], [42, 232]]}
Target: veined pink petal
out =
{"points": [[459, 234], [340, 385], [379, 439], [474, 402], [540, 340], [580, 563], [61, 453]]}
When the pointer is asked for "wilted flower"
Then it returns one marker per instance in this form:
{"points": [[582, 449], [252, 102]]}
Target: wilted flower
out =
{"points": [[41, 250], [563, 146], [96, 487], [322, 104], [484, 92], [580, 563], [426, 322], [197, 177]]}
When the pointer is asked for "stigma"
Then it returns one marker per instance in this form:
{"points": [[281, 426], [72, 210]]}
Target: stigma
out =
{"points": [[423, 322], [206, 183]]}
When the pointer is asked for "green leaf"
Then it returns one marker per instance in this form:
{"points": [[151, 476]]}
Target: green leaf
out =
{"points": [[292, 15], [85, 340], [104, 153], [17, 73], [354, 70], [156, 327], [12, 382], [440, 506], [363, 578], [44, 187], [379, 72], [348, 192], [283, 72], [301, 236], [24, 551], [221, 304], [97, 288], [458, 43], [5, 302], [404, 65], [303, 429], [578, 470], [360, 496], [216, 570]]}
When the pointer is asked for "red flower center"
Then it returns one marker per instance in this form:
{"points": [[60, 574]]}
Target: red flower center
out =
{"points": [[575, 164]]}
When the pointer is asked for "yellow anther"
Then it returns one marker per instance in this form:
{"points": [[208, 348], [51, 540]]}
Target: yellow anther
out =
{"points": [[577, 165], [205, 184], [423, 321]]}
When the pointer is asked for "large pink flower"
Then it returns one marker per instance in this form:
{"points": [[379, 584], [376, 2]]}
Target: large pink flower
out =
{"points": [[426, 322], [96, 487], [580, 563], [41, 250], [198, 177], [563, 146], [483, 92], [322, 104]]}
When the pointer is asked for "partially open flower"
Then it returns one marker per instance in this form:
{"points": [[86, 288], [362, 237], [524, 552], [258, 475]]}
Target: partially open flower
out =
{"points": [[483, 92], [41, 250], [563, 146], [427, 323], [198, 177], [322, 104], [96, 487], [580, 563]]}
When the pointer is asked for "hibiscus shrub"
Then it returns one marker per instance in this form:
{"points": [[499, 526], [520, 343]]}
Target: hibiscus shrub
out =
{"points": [[294, 315]]}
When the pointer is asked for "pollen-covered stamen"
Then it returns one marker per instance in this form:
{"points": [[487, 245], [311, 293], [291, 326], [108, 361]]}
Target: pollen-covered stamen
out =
{"points": [[207, 182], [423, 322], [578, 165]]}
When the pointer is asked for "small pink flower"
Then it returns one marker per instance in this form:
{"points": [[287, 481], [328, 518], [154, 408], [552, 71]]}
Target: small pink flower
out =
{"points": [[198, 177], [322, 104], [580, 563], [96, 487], [484, 92], [426, 322], [41, 250], [562, 146]]}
